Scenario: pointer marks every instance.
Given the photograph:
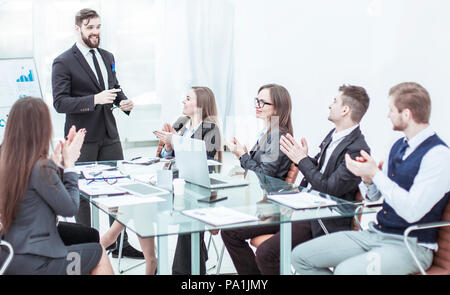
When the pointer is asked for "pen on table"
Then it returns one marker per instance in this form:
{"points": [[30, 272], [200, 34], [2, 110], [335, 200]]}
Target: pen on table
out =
{"points": [[137, 158]]}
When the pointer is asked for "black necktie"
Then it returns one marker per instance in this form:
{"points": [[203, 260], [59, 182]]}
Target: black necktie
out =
{"points": [[97, 69], [401, 152], [323, 152]]}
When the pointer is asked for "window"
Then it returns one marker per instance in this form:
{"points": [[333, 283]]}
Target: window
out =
{"points": [[128, 31]]}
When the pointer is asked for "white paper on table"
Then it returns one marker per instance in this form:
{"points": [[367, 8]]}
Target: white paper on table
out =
{"points": [[141, 160], [126, 200], [145, 178], [218, 216], [213, 163], [101, 187], [302, 200], [323, 212]]}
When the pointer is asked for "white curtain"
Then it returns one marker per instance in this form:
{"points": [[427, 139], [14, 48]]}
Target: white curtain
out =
{"points": [[195, 48]]}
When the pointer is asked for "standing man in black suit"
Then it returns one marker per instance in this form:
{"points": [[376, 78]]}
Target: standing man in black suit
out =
{"points": [[86, 89]]}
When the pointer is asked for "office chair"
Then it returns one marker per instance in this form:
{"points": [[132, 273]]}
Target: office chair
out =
{"points": [[290, 178], [441, 259], [8, 246], [119, 256]]}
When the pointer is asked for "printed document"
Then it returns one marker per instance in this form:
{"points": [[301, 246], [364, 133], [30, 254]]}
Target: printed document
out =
{"points": [[302, 200], [218, 216]]}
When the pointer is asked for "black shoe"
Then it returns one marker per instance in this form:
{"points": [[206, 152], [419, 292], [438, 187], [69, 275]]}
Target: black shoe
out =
{"points": [[128, 252], [111, 248]]}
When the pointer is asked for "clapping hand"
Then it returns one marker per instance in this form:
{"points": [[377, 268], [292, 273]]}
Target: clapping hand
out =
{"points": [[165, 136], [57, 155], [236, 147], [292, 149], [67, 152], [363, 166]]}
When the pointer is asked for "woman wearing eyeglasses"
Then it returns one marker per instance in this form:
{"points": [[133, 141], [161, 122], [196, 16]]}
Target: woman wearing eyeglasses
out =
{"points": [[273, 106], [34, 190]]}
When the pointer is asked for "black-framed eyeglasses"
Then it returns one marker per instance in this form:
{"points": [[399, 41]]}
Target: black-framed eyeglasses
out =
{"points": [[261, 103], [108, 180]]}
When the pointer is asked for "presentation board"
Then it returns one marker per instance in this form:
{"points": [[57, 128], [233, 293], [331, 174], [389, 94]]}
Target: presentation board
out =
{"points": [[18, 79]]}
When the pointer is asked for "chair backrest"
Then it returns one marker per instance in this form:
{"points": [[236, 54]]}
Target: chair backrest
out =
{"points": [[358, 197], [292, 174], [441, 260], [4, 244], [291, 177]]}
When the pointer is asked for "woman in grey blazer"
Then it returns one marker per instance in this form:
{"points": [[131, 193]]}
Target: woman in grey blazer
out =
{"points": [[33, 192], [273, 106]]}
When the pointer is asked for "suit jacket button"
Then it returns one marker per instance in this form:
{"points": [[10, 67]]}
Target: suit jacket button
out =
{"points": [[385, 212], [379, 226], [393, 174]]}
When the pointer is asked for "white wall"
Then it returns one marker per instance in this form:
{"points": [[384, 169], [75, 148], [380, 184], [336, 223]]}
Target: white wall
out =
{"points": [[313, 47]]}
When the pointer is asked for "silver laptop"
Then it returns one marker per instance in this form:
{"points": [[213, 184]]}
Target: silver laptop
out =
{"points": [[192, 164]]}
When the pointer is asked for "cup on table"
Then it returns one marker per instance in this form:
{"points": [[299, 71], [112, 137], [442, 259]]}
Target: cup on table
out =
{"points": [[178, 186]]}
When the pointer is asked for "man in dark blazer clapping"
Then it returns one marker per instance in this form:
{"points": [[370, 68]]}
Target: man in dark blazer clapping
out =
{"points": [[86, 89]]}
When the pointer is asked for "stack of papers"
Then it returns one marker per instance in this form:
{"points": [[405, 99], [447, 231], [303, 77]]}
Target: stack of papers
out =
{"points": [[302, 200], [219, 216]]}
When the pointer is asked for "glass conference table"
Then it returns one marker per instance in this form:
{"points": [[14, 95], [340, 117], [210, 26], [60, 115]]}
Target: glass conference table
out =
{"points": [[162, 219]]}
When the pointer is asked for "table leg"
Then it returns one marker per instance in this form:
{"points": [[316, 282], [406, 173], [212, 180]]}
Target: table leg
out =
{"points": [[285, 248], [195, 253], [95, 217], [163, 255]]}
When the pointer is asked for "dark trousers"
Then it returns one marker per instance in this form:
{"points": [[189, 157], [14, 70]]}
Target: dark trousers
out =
{"points": [[182, 259], [75, 233], [107, 149], [267, 258]]}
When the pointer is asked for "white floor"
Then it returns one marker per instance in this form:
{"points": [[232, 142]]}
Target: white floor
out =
{"points": [[227, 265]]}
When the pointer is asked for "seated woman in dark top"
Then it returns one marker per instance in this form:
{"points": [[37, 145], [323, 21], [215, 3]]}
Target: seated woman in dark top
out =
{"points": [[273, 106]]}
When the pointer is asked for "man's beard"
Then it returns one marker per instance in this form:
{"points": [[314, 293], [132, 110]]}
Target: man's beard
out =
{"points": [[89, 43], [399, 126]]}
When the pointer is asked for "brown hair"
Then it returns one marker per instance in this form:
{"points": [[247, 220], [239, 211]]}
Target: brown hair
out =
{"points": [[26, 141], [282, 104], [412, 96], [84, 14], [207, 103], [357, 99]]}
